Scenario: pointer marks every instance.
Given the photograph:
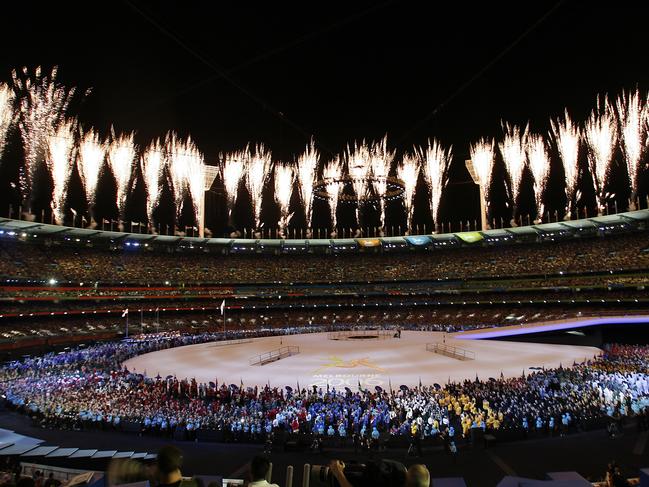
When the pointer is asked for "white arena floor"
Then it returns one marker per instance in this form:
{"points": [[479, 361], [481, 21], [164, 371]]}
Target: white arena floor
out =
{"points": [[322, 361]]}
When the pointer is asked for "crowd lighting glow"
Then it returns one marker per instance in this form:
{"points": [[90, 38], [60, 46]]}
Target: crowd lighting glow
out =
{"points": [[41, 107], [408, 173], [513, 151], [307, 168], [121, 157], [435, 161], [540, 165], [153, 165], [61, 157], [331, 174], [601, 135], [567, 137], [7, 113], [633, 130], [258, 171], [284, 178], [380, 161], [233, 169]]}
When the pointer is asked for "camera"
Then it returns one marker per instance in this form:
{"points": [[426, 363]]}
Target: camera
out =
{"points": [[388, 473]]}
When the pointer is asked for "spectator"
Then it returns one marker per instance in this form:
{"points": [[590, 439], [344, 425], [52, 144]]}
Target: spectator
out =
{"points": [[418, 476], [259, 467], [169, 462]]}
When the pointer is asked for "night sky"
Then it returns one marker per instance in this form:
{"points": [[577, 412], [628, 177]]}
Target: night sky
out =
{"points": [[279, 73]]}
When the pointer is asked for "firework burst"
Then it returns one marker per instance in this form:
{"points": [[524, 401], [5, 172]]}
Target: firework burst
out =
{"points": [[91, 157], [358, 167], [233, 169], [7, 114], [540, 166], [332, 175], [307, 168], [153, 166], [513, 151], [284, 178], [187, 172], [121, 158], [482, 158], [380, 161], [195, 178], [60, 161], [567, 137], [41, 107], [258, 170], [633, 133], [435, 161], [601, 136], [408, 173]]}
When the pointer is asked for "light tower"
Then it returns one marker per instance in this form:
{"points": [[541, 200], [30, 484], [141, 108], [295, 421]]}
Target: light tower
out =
{"points": [[483, 207], [209, 175]]}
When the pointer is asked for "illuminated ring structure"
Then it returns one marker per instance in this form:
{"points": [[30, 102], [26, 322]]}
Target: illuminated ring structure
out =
{"points": [[394, 189]]}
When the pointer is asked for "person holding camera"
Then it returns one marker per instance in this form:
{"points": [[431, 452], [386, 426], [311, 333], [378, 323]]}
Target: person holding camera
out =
{"points": [[337, 469]]}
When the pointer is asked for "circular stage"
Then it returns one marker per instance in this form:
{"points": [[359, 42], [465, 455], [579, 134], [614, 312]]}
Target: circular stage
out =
{"points": [[314, 359]]}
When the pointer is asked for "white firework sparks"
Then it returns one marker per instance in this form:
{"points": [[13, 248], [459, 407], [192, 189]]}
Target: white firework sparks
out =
{"points": [[358, 164], [332, 174], [284, 178], [195, 177], [408, 173], [121, 158], [153, 165], [7, 113], [307, 168], [91, 157], [258, 171], [41, 107], [187, 168], [482, 158], [567, 137], [380, 161], [633, 132], [60, 160], [601, 135], [540, 166], [513, 151], [233, 169], [435, 161]]}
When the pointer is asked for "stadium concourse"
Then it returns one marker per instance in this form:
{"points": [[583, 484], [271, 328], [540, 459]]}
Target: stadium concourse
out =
{"points": [[227, 337]]}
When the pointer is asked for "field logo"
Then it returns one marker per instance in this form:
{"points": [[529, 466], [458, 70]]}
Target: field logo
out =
{"points": [[339, 363]]}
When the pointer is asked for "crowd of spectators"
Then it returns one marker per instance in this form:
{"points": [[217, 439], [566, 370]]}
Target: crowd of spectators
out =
{"points": [[89, 388], [83, 264], [468, 316]]}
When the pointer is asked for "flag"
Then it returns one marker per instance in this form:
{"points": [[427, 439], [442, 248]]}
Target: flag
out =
{"points": [[125, 313], [222, 307], [420, 382], [359, 386]]}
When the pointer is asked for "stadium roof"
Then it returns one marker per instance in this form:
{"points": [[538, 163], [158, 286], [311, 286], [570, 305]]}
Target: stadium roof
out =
{"points": [[550, 227], [22, 229], [523, 230]]}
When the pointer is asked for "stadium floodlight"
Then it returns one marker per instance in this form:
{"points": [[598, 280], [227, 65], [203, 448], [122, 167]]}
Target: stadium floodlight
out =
{"points": [[483, 207]]}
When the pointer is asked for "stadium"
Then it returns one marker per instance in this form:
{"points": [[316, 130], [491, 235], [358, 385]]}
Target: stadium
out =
{"points": [[460, 305]]}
